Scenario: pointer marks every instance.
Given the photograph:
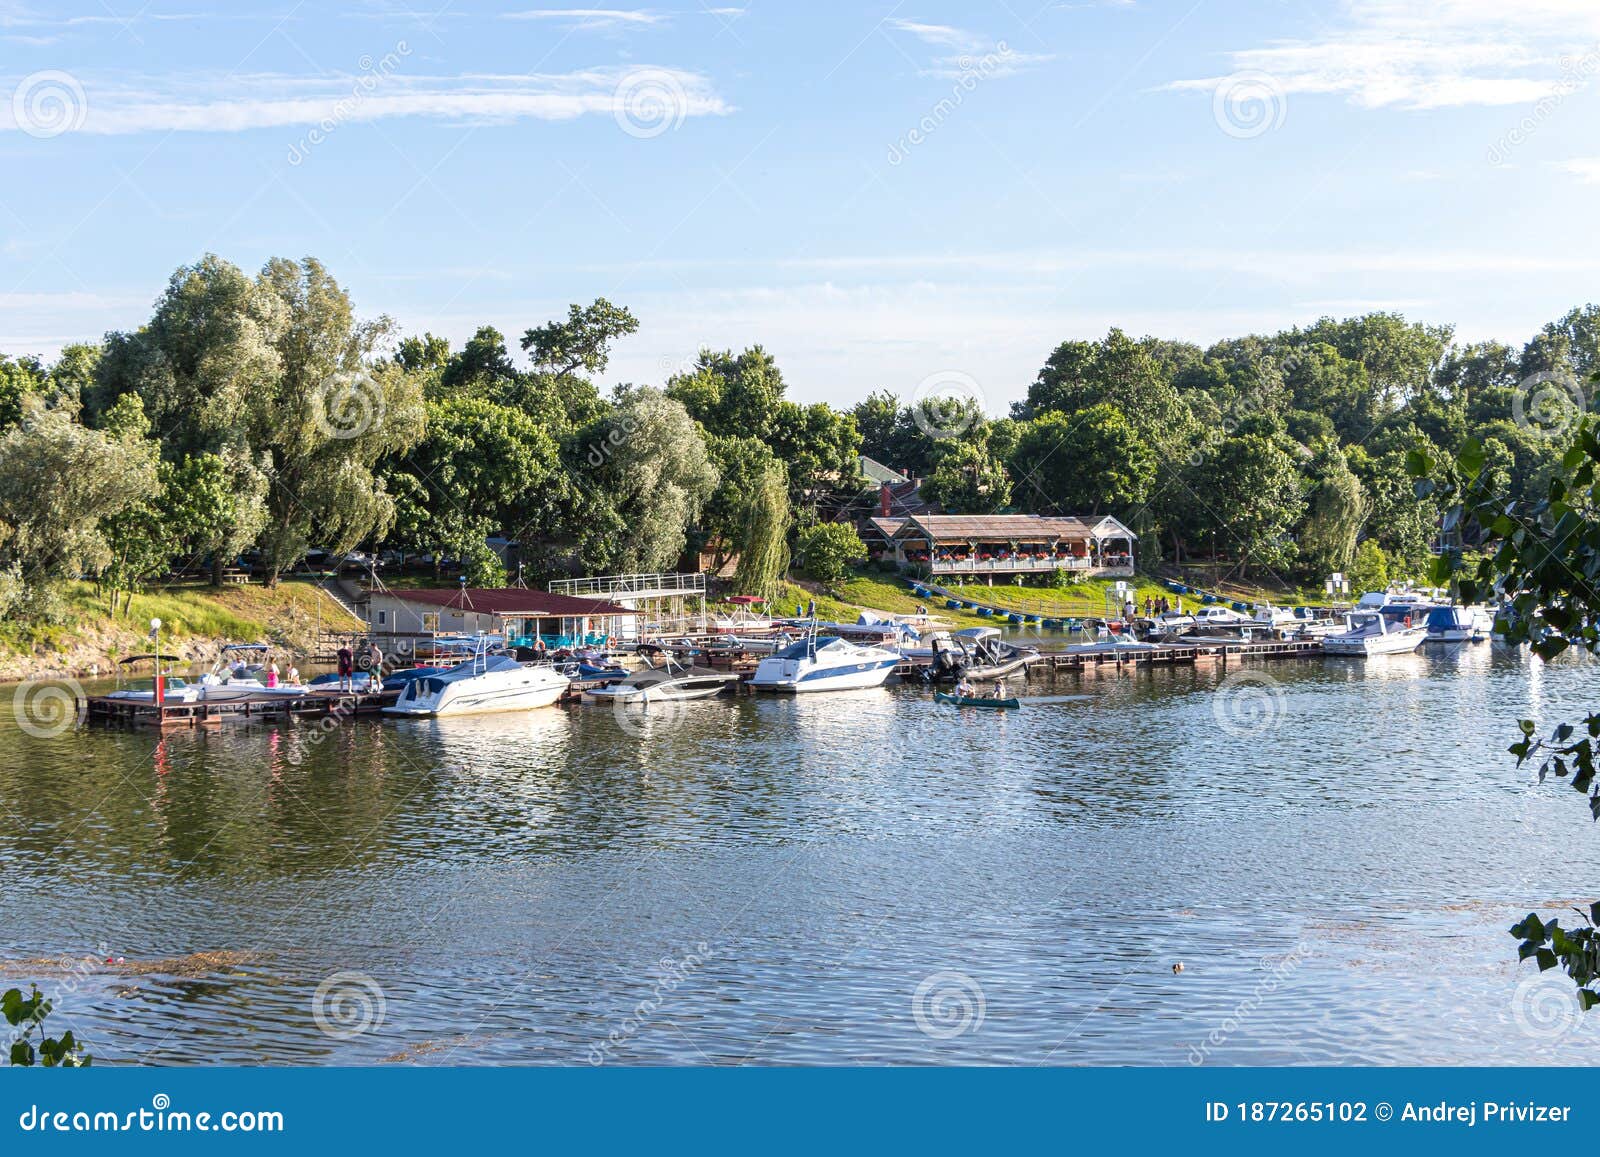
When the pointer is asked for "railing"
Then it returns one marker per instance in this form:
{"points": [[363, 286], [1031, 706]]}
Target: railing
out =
{"points": [[632, 584], [1029, 565]]}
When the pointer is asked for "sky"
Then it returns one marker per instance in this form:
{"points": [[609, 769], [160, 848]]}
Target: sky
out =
{"points": [[880, 195]]}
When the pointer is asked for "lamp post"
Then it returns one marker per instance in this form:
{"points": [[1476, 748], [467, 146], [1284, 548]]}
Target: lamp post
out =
{"points": [[160, 690]]}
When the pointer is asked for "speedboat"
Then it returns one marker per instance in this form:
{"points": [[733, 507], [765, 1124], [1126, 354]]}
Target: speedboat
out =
{"points": [[958, 656], [825, 664], [673, 680], [1457, 624], [1377, 633], [243, 679], [173, 689], [481, 684]]}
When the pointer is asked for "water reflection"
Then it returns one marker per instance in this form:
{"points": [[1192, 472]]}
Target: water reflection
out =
{"points": [[515, 882]]}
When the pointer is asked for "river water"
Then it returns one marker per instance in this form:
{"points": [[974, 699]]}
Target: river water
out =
{"points": [[1333, 850]]}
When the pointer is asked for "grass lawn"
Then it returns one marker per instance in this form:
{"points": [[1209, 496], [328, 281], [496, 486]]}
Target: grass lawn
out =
{"points": [[240, 613]]}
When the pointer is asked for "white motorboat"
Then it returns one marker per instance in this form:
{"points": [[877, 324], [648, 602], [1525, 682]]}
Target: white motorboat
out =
{"points": [[672, 680], [825, 664], [242, 679], [1457, 624], [173, 689], [1377, 633], [482, 684]]}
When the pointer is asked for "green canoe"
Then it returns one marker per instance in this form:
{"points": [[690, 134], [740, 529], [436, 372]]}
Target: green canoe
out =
{"points": [[974, 701]]}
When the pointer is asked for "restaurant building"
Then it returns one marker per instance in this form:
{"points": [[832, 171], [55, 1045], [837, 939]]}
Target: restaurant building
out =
{"points": [[976, 545]]}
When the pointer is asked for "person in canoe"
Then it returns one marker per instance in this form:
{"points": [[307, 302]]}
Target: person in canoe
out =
{"points": [[965, 689]]}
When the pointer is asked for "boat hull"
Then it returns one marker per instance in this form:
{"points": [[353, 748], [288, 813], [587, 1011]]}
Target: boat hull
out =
{"points": [[1394, 643], [974, 701], [846, 677], [499, 691]]}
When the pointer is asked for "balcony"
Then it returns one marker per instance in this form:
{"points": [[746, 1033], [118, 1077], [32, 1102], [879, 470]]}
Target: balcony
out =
{"points": [[1110, 565]]}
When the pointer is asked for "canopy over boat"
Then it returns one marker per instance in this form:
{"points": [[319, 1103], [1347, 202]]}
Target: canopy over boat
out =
{"points": [[132, 659]]}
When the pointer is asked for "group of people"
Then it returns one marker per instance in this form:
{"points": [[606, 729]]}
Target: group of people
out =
{"points": [[1153, 606], [347, 668]]}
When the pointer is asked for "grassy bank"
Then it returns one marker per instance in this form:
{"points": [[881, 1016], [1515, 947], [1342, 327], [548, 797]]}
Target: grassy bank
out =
{"points": [[192, 616]]}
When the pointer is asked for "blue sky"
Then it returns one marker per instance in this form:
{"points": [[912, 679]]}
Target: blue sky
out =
{"points": [[876, 193]]}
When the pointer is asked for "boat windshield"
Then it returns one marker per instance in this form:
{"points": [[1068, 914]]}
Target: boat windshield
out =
{"points": [[804, 647]]}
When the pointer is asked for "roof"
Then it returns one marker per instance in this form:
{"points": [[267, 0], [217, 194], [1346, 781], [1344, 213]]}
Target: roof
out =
{"points": [[876, 471], [507, 601], [997, 526], [886, 526]]}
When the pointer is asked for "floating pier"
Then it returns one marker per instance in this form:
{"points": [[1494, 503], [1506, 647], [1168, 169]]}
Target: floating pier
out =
{"points": [[313, 705]]}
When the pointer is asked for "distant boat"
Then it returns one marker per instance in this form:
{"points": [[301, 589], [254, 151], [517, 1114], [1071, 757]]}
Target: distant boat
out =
{"points": [[825, 664], [480, 685], [1458, 624], [977, 701]]}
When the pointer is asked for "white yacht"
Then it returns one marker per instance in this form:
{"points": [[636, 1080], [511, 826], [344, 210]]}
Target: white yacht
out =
{"points": [[482, 684], [1377, 633], [825, 664]]}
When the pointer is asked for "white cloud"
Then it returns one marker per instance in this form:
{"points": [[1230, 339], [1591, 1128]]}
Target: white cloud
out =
{"points": [[1429, 54], [592, 17], [1586, 169], [239, 104], [943, 35]]}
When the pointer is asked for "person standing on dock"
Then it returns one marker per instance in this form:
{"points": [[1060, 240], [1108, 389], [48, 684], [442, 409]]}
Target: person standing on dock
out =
{"points": [[347, 668], [374, 667]]}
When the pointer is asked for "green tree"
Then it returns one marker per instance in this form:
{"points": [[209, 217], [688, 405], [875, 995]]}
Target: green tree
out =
{"points": [[582, 341], [1369, 570], [648, 476], [968, 480], [764, 535], [1087, 462], [1337, 508], [1250, 488], [59, 485], [829, 549]]}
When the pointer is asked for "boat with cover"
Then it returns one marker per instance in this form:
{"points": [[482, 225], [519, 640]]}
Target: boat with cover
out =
{"points": [[482, 684], [672, 680], [825, 664], [1377, 633], [1012, 704], [173, 689], [1458, 624]]}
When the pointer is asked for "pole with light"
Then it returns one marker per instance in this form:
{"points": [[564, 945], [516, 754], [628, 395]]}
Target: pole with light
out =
{"points": [[155, 640]]}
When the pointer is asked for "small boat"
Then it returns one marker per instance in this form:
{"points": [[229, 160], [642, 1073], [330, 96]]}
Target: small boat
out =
{"points": [[1376, 633], [482, 684], [1457, 624], [173, 689], [673, 680], [243, 679], [961, 656], [977, 701], [825, 664]]}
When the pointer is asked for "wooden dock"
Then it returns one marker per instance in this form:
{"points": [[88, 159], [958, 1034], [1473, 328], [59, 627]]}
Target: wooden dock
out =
{"points": [[314, 705]]}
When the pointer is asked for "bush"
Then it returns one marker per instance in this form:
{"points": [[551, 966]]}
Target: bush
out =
{"points": [[1370, 570], [829, 550]]}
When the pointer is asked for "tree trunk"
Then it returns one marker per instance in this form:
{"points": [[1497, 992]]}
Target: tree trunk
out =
{"points": [[217, 562]]}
